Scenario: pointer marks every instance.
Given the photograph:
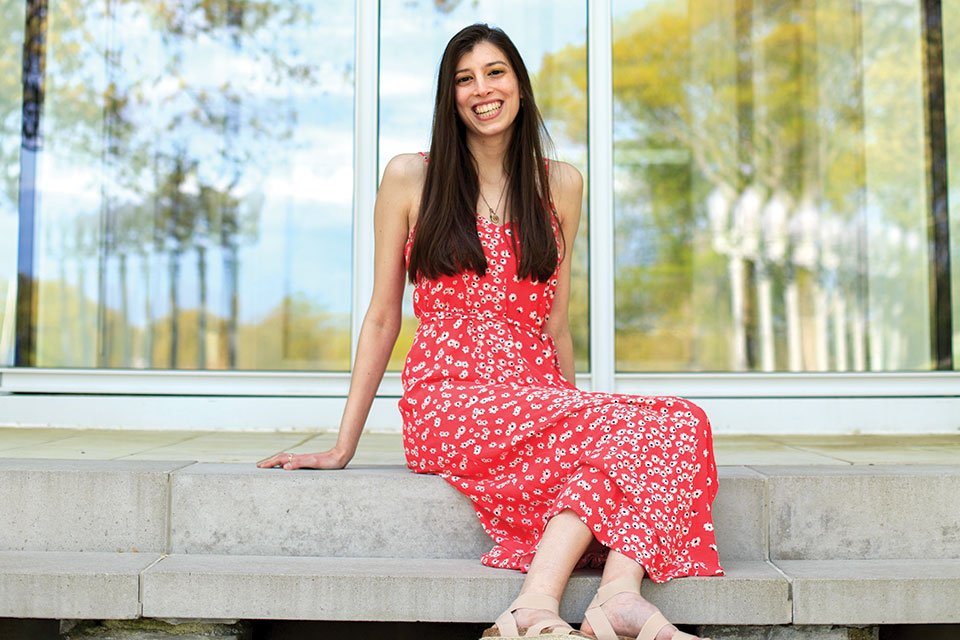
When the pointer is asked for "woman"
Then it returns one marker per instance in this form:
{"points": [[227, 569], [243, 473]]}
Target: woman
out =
{"points": [[484, 227]]}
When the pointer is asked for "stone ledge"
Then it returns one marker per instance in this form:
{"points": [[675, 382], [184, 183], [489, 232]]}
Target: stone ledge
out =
{"points": [[863, 512], [853, 592], [61, 584], [429, 590], [381, 511], [84, 505]]}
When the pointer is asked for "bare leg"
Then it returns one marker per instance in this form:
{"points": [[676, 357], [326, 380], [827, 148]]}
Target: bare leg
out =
{"points": [[627, 611], [564, 541]]}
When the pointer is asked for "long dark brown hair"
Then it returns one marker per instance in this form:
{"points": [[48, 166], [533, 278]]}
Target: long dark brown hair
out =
{"points": [[446, 241]]}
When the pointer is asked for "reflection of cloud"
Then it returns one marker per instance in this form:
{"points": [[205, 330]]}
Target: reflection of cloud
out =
{"points": [[402, 83], [307, 183]]}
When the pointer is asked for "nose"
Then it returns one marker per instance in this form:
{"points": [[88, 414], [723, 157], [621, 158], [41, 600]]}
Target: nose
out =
{"points": [[481, 86]]}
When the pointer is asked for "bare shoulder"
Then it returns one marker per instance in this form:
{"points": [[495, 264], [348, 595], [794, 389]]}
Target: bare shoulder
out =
{"points": [[406, 169], [402, 184], [565, 179], [566, 186]]}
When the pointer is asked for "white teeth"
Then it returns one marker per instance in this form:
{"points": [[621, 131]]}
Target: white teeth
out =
{"points": [[488, 108]]}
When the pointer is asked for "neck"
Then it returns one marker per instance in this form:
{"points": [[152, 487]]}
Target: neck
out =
{"points": [[488, 152]]}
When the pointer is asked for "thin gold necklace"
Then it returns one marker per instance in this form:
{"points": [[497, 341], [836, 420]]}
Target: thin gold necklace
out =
{"points": [[494, 218]]}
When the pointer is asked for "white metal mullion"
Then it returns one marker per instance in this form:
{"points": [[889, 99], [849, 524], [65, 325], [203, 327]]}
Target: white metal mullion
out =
{"points": [[365, 127], [600, 115]]}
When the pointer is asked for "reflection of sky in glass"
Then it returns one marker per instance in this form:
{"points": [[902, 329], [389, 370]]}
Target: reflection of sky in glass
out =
{"points": [[302, 182]]}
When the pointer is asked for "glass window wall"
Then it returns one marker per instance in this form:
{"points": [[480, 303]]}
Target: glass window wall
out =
{"points": [[951, 63], [12, 31], [185, 178], [194, 189], [770, 186], [551, 37]]}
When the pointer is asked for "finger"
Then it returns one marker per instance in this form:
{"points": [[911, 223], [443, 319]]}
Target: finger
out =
{"points": [[291, 462], [274, 461]]}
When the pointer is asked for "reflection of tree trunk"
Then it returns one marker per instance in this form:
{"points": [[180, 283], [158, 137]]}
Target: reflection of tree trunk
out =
{"points": [[878, 324], [148, 313], [174, 305], [124, 312], [791, 304], [65, 337], [840, 331], [85, 356], [738, 346], [859, 341], [232, 281], [6, 327], [765, 309], [202, 314], [820, 313]]}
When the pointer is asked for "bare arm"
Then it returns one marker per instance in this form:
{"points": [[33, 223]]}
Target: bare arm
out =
{"points": [[381, 324], [566, 184]]}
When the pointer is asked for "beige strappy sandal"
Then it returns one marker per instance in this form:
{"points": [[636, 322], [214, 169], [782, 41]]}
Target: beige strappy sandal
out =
{"points": [[601, 625], [505, 628]]}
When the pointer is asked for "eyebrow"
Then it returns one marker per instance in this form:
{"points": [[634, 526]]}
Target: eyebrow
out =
{"points": [[489, 64]]}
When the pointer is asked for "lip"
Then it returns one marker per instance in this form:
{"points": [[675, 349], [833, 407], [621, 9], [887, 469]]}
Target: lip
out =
{"points": [[490, 115]]}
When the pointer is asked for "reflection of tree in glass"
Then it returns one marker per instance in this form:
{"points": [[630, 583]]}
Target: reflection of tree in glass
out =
{"points": [[183, 150], [741, 135]]}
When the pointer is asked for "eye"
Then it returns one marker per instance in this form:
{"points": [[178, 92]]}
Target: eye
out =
{"points": [[463, 79], [496, 72]]}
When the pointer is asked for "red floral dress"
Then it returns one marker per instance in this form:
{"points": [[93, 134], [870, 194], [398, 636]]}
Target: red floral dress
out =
{"points": [[485, 407]]}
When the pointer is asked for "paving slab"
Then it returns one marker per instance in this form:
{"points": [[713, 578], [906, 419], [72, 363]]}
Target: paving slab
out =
{"points": [[863, 512], [80, 505], [13, 437], [435, 590], [71, 585], [874, 591]]}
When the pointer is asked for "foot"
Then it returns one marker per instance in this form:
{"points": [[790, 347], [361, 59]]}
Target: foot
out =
{"points": [[526, 618], [627, 613]]}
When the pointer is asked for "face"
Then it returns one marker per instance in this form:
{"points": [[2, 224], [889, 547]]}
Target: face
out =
{"points": [[487, 91]]}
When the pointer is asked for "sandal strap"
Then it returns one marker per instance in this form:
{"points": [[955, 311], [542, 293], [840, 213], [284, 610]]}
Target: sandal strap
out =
{"points": [[535, 601], [507, 625], [652, 627], [612, 588], [600, 625], [596, 617], [559, 627]]}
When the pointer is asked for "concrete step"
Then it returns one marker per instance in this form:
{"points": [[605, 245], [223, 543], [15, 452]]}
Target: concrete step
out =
{"points": [[788, 513], [182, 507], [74, 585]]}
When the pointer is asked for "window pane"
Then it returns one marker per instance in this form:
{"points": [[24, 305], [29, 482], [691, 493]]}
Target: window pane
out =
{"points": [[951, 63], [770, 186], [196, 185], [12, 21], [551, 37]]}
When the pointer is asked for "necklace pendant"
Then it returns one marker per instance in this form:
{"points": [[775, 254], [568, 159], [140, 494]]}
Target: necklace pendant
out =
{"points": [[494, 218]]}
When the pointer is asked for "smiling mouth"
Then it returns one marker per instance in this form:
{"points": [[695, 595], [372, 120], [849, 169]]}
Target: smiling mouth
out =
{"points": [[489, 109]]}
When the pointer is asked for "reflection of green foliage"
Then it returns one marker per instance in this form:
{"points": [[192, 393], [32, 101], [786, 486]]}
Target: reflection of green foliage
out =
{"points": [[785, 99], [296, 335]]}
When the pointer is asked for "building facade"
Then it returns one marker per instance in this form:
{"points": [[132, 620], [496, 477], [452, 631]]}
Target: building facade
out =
{"points": [[772, 206]]}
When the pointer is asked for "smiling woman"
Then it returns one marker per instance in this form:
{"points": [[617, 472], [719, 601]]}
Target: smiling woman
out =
{"points": [[549, 33]]}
